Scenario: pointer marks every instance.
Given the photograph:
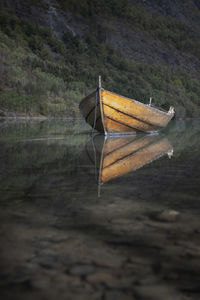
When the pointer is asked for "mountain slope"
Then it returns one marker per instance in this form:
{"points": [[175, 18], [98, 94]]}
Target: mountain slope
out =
{"points": [[52, 53]]}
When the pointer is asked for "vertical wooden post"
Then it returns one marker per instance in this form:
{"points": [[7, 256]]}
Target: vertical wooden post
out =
{"points": [[99, 81]]}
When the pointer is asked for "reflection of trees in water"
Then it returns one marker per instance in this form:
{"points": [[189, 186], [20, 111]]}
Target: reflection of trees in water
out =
{"points": [[34, 157], [27, 128], [60, 222], [184, 136], [47, 163]]}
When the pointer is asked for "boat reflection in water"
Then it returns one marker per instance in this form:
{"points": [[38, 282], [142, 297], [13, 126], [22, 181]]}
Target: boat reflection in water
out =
{"points": [[115, 156]]}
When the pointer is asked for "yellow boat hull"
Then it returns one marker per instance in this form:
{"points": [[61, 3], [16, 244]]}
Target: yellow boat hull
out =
{"points": [[110, 113]]}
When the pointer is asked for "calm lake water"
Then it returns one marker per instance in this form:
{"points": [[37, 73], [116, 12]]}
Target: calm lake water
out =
{"points": [[134, 235]]}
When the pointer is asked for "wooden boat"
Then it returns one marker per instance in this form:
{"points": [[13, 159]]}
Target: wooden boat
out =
{"points": [[110, 113], [115, 156]]}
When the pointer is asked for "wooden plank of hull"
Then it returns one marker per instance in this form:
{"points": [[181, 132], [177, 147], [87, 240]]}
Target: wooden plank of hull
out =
{"points": [[113, 126], [135, 109], [128, 162], [124, 122]]}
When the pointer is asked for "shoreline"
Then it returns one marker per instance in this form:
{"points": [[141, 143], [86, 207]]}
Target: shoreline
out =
{"points": [[67, 118], [43, 118]]}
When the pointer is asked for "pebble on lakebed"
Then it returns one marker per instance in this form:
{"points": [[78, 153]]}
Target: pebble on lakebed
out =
{"points": [[165, 216]]}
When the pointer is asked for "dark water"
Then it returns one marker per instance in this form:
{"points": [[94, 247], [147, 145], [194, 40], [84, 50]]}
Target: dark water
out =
{"points": [[135, 236]]}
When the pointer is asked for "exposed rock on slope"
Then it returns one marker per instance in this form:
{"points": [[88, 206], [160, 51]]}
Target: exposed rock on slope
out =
{"points": [[141, 48], [130, 42]]}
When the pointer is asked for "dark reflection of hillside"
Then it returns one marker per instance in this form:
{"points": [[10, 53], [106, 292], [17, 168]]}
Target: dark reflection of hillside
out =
{"points": [[34, 155], [21, 130], [184, 187], [52, 163], [185, 136]]}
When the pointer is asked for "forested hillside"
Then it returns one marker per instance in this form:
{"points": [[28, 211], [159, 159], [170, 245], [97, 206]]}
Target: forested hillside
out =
{"points": [[52, 52]]}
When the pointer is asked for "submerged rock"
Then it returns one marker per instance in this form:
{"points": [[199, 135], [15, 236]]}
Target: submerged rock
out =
{"points": [[100, 277], [166, 216], [117, 295], [82, 270]]}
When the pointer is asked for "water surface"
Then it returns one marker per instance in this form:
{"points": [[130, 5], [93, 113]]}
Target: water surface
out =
{"points": [[135, 235]]}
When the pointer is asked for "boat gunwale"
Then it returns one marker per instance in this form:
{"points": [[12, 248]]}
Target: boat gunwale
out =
{"points": [[152, 108], [140, 103]]}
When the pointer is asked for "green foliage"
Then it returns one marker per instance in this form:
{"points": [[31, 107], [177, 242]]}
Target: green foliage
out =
{"points": [[13, 100], [92, 8], [41, 74], [169, 30]]}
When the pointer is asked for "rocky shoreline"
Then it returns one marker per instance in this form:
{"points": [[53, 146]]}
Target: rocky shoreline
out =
{"points": [[148, 257]]}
